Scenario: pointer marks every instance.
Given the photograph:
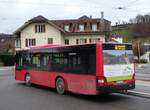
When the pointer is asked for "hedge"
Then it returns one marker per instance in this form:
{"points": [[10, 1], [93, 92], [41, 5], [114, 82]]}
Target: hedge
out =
{"points": [[7, 59]]}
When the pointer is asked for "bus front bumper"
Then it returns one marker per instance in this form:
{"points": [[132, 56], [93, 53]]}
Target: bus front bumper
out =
{"points": [[115, 88]]}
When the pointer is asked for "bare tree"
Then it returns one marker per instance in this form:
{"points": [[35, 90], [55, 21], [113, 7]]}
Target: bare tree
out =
{"points": [[138, 48], [141, 27], [139, 31]]}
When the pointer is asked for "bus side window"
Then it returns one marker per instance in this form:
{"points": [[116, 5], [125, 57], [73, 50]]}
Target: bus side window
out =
{"points": [[59, 62], [46, 61], [36, 61], [85, 63], [19, 61], [26, 61], [92, 64]]}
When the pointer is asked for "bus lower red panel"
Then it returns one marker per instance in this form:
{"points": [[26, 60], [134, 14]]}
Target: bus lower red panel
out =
{"points": [[82, 84], [42, 78], [20, 74]]}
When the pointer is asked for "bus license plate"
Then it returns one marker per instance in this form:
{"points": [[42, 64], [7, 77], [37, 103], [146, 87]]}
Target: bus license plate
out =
{"points": [[119, 82]]}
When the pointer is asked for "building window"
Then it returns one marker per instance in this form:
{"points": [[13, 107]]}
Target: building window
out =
{"points": [[50, 40], [81, 27], [17, 43], [30, 42], [81, 41], [94, 27], [94, 40], [40, 28], [66, 27], [67, 41]]}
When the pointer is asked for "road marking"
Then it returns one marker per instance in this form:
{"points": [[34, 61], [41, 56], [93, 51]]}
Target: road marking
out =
{"points": [[140, 94]]}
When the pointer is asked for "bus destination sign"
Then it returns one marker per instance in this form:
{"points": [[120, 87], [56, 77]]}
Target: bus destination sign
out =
{"points": [[120, 47]]}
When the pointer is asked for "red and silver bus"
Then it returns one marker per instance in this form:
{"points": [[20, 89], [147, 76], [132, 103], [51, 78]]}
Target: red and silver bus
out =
{"points": [[83, 69]]}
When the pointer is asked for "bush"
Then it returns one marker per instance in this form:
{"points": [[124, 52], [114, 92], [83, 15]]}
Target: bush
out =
{"points": [[8, 60], [141, 61]]}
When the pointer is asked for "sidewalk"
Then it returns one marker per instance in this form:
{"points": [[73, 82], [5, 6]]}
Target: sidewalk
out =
{"points": [[142, 86], [142, 72], [142, 76]]}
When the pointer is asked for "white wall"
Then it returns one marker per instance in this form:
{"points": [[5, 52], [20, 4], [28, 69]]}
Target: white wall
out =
{"points": [[72, 39], [41, 38], [52, 32]]}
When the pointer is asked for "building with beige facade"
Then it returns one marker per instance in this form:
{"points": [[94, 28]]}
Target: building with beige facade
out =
{"points": [[41, 31]]}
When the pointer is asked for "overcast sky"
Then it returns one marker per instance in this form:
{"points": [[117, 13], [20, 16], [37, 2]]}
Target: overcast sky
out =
{"points": [[13, 13]]}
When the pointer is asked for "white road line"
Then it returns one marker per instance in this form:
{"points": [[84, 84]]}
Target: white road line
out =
{"points": [[140, 94]]}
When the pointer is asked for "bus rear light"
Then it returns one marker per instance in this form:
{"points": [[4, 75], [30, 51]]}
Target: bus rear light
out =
{"points": [[100, 81]]}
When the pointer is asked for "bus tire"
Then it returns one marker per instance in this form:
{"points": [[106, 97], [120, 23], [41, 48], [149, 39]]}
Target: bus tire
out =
{"points": [[28, 80], [60, 85]]}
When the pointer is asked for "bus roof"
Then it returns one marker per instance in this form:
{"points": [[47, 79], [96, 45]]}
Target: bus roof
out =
{"points": [[59, 45], [47, 46]]}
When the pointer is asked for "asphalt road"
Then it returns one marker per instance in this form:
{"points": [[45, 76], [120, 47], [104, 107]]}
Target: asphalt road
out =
{"points": [[16, 96]]}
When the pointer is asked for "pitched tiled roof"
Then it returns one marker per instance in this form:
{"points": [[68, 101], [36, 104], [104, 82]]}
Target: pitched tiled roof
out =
{"points": [[38, 19], [103, 25]]}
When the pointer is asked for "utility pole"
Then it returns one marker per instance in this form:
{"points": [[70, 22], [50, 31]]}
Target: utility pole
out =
{"points": [[139, 50]]}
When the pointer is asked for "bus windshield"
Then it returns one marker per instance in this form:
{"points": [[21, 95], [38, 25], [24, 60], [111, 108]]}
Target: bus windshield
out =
{"points": [[117, 57]]}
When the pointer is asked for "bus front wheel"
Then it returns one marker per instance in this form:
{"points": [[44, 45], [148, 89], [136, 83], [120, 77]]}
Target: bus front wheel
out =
{"points": [[28, 80], [60, 86]]}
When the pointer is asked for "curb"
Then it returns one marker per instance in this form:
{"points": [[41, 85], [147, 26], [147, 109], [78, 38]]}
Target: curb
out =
{"points": [[139, 94]]}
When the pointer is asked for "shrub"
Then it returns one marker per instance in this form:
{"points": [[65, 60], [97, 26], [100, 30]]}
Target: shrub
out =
{"points": [[7, 59], [141, 61]]}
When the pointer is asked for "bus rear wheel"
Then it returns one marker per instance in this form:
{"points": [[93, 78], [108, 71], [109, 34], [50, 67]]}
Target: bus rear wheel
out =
{"points": [[60, 86], [28, 80]]}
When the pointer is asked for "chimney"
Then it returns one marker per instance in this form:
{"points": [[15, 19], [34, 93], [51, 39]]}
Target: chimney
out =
{"points": [[102, 15], [90, 17], [102, 26]]}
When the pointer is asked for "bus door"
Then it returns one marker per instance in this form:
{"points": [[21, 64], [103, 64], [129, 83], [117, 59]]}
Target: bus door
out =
{"points": [[40, 69], [19, 68], [72, 61]]}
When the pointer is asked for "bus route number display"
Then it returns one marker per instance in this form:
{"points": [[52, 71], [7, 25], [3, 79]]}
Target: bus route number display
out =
{"points": [[120, 47]]}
